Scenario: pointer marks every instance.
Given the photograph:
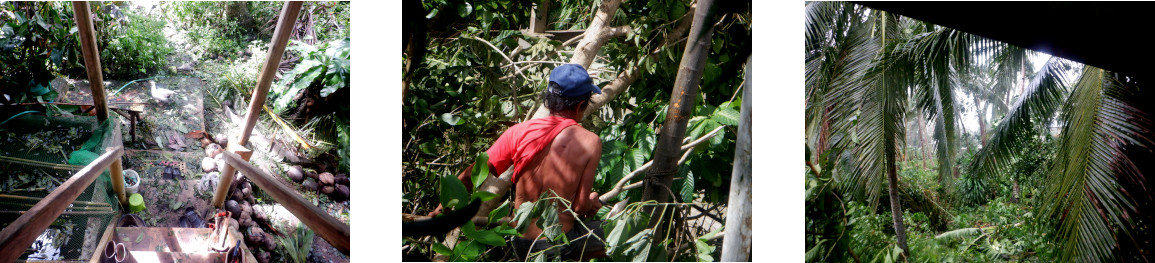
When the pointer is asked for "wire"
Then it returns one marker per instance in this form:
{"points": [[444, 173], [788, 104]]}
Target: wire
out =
{"points": [[130, 83]]}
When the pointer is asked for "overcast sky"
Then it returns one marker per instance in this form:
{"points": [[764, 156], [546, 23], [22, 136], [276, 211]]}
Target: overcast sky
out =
{"points": [[970, 119]]}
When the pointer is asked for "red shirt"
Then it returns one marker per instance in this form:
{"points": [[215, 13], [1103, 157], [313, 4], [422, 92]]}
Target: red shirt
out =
{"points": [[518, 145]]}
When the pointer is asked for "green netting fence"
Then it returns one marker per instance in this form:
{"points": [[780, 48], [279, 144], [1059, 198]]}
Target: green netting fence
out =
{"points": [[37, 154]]}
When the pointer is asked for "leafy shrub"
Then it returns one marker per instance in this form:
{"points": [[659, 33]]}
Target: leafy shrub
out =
{"points": [[131, 45], [36, 39]]}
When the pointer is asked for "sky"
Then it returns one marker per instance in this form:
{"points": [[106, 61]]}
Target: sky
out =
{"points": [[970, 121]]}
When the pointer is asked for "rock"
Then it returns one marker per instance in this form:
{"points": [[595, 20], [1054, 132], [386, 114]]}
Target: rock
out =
{"points": [[328, 189], [208, 165], [296, 173], [211, 148], [326, 178], [234, 208], [341, 193], [310, 185]]}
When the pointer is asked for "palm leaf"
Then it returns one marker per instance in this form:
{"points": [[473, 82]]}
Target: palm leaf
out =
{"points": [[1030, 113], [1084, 195]]}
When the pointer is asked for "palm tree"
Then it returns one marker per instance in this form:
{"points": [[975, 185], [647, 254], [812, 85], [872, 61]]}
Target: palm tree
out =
{"points": [[1085, 194], [862, 67]]}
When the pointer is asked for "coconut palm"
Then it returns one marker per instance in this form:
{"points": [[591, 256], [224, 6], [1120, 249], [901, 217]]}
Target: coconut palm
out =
{"points": [[862, 68], [1095, 157]]}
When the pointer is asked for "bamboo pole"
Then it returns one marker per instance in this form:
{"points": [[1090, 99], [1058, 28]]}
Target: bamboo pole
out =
{"points": [[280, 40], [91, 58], [27, 198], [325, 225], [228, 174], [21, 233]]}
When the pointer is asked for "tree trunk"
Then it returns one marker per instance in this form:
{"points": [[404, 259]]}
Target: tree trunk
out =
{"points": [[588, 48], [667, 152], [895, 207], [922, 139], [739, 223], [1014, 191]]}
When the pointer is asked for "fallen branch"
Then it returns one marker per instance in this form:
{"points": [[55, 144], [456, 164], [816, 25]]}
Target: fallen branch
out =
{"points": [[511, 63], [621, 185]]}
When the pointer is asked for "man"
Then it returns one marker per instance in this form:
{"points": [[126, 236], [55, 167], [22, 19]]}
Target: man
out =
{"points": [[554, 153]]}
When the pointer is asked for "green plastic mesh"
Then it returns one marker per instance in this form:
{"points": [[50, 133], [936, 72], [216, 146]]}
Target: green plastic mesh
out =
{"points": [[75, 234]]}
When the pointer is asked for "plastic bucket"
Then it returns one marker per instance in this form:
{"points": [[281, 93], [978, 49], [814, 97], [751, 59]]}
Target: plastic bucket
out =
{"points": [[131, 181]]}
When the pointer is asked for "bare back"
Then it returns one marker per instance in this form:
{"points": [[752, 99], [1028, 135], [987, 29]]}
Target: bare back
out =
{"points": [[567, 167]]}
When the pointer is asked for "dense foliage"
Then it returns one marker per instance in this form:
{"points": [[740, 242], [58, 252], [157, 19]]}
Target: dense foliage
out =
{"points": [[1056, 175], [466, 92]]}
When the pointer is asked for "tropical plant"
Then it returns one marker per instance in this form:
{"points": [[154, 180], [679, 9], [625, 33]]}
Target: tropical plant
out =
{"points": [[862, 67], [296, 245], [131, 45]]}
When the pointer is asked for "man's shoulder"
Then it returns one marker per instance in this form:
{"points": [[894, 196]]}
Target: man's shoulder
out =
{"points": [[580, 133]]}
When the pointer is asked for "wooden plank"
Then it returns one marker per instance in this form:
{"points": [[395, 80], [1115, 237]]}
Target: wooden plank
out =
{"points": [[21, 233], [91, 57], [325, 225], [539, 17], [227, 174], [285, 25], [97, 255]]}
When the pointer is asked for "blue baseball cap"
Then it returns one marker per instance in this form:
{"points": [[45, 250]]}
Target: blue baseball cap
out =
{"points": [[573, 80]]}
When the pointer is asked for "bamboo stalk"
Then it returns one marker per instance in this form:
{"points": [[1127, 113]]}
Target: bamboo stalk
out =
{"points": [[18, 197], [86, 208], [73, 213], [36, 163]]}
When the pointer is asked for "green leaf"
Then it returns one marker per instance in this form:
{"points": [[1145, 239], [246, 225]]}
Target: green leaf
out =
{"points": [[726, 116], [442, 249], [501, 211], [483, 195], [452, 189], [480, 170], [485, 236], [522, 216], [464, 9], [451, 119], [686, 192]]}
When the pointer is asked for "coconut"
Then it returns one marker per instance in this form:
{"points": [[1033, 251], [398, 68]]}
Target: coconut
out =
{"points": [[341, 193], [255, 235], [211, 148], [260, 216], [205, 142], [328, 189], [311, 174], [326, 178], [208, 165], [296, 173], [222, 139], [269, 242], [237, 195], [234, 225], [233, 207], [310, 185], [342, 179], [218, 152], [263, 256]]}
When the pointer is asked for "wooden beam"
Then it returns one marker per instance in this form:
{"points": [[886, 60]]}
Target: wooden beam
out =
{"points": [[280, 40], [226, 182], [540, 17], [19, 235], [325, 225], [83, 20]]}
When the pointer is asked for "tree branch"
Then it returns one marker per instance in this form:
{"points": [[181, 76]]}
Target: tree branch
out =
{"points": [[621, 185]]}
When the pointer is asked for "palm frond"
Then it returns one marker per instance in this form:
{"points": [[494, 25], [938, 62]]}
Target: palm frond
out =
{"points": [[1031, 112], [1085, 195]]}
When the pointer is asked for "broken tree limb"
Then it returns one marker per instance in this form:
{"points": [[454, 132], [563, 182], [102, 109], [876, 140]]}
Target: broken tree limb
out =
{"points": [[588, 48], [620, 186], [515, 67], [739, 217]]}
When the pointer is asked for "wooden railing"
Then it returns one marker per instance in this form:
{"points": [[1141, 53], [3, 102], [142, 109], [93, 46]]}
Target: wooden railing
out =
{"points": [[325, 225], [19, 235]]}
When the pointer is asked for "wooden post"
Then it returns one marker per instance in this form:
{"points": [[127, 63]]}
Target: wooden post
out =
{"points": [[540, 17], [280, 40], [117, 174], [91, 57], [227, 174], [739, 222], [325, 225], [15, 238]]}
